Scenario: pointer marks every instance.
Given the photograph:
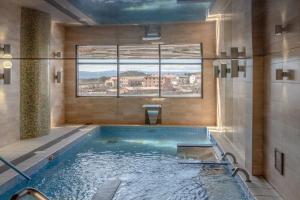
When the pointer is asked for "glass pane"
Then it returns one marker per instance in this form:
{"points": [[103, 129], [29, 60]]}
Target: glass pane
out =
{"points": [[139, 52], [181, 70], [139, 70], [97, 80], [97, 54], [139, 80], [182, 52], [97, 70]]}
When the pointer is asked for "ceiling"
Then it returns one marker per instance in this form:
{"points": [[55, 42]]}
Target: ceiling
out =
{"points": [[102, 12]]}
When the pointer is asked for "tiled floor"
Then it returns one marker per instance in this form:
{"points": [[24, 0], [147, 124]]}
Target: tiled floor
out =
{"points": [[17, 149]]}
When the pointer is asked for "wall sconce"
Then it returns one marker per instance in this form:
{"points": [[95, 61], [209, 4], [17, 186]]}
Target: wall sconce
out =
{"points": [[224, 70], [57, 54], [235, 53], [58, 77], [236, 68], [216, 71], [280, 74], [7, 63], [280, 29], [223, 54]]}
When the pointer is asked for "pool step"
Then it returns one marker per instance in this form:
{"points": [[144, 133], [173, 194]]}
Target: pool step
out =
{"points": [[202, 162], [107, 190], [197, 151], [194, 145]]}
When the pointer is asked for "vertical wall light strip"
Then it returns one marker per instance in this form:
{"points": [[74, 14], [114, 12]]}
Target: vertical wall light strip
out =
{"points": [[7, 63], [118, 71], [159, 73]]}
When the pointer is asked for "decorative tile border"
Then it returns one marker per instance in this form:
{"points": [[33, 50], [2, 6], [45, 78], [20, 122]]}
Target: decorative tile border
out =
{"points": [[34, 73]]}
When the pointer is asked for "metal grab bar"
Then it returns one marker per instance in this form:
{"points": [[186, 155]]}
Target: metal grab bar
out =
{"points": [[229, 154], [238, 169], [29, 192], [12, 166]]}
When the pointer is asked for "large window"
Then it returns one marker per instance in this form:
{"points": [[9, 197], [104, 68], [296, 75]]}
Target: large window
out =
{"points": [[97, 71], [181, 71], [139, 64], [140, 70]]}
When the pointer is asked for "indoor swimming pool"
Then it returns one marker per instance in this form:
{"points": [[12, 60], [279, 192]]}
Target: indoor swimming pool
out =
{"points": [[143, 158]]}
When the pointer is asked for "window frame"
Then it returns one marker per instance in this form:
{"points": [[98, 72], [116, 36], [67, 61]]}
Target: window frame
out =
{"points": [[118, 76]]}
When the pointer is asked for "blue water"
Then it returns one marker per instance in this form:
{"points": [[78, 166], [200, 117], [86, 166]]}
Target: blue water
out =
{"points": [[143, 158]]}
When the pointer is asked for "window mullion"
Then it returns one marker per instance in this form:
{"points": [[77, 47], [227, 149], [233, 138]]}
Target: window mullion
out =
{"points": [[159, 73], [201, 67], [118, 72]]}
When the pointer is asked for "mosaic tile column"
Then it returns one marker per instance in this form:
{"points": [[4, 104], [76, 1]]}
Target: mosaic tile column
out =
{"points": [[34, 83]]}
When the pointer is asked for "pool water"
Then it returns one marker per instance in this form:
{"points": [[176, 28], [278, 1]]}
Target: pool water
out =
{"points": [[143, 158]]}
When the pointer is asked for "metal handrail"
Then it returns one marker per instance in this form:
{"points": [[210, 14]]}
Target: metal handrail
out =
{"points": [[29, 192], [12, 166], [229, 154], [238, 169]]}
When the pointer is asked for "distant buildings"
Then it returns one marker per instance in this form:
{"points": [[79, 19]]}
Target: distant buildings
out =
{"points": [[131, 81], [195, 78], [143, 85], [112, 82], [183, 80], [153, 81]]}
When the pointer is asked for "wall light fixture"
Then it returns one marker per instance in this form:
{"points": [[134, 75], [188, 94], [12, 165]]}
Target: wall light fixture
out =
{"points": [[58, 77], [235, 53], [7, 63], [280, 29], [223, 54], [217, 71], [289, 74], [224, 70], [236, 68], [57, 54]]}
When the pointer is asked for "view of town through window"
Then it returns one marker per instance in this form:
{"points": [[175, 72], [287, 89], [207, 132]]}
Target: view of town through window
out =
{"points": [[144, 70]]}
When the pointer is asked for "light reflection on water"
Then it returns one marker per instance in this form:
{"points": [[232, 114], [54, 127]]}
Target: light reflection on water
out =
{"points": [[148, 169]]}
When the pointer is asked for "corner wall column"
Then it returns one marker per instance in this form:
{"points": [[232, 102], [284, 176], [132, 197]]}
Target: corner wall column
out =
{"points": [[34, 83]]}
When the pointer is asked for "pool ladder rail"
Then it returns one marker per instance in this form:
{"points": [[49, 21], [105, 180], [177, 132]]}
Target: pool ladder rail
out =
{"points": [[236, 169], [29, 192], [231, 155], [12, 166]]}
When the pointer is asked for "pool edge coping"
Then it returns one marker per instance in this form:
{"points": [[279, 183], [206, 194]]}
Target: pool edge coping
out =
{"points": [[10, 178]]}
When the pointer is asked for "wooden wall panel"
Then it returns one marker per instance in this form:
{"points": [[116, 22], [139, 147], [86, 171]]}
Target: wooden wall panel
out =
{"points": [[56, 64], [10, 94], [241, 101], [282, 102], [10, 23], [128, 110]]}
